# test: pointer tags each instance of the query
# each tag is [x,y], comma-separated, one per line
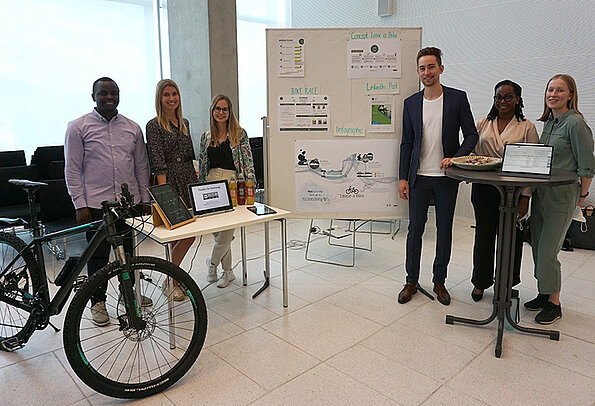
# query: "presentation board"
[335,100]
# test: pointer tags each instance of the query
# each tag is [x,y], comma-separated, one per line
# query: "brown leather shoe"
[409,290]
[442,294]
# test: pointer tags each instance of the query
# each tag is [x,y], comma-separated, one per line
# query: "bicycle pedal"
[12,344]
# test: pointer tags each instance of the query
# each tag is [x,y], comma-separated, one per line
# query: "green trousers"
[551,215]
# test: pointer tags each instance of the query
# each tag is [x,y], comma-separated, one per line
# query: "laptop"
[527,160]
[210,198]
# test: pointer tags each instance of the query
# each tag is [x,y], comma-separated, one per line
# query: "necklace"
[221,139]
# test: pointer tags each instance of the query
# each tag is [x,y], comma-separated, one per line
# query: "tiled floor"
[344,339]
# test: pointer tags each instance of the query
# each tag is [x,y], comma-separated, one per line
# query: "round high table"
[510,188]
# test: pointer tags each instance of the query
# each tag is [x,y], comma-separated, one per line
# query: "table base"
[510,189]
[502,310]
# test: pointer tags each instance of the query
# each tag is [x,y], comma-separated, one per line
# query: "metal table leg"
[244,261]
[170,303]
[267,272]
[284,259]
[267,261]
[267,253]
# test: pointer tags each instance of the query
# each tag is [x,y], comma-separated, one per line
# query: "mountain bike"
[143,350]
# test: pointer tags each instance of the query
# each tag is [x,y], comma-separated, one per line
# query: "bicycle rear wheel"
[120,361]
[18,285]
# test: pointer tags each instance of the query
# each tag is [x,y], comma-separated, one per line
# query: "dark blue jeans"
[444,192]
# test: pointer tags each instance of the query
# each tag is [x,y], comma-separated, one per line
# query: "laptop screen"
[210,197]
[531,159]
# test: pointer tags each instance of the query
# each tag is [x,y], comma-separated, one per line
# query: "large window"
[52,51]
[254,16]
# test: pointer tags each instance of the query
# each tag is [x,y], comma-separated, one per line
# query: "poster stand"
[333,126]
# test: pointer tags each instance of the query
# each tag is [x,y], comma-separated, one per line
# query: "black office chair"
[43,156]
[54,201]
[13,199]
[12,158]
[257,155]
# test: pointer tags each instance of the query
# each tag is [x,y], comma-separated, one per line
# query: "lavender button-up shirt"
[100,156]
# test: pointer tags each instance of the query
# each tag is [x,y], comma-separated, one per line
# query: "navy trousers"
[444,192]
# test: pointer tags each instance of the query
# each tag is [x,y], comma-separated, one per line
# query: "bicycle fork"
[132,298]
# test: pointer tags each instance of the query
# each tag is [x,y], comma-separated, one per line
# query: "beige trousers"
[222,248]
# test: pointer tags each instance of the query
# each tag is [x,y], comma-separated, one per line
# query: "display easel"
[159,218]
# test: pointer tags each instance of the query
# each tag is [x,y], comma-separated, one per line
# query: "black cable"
[195,252]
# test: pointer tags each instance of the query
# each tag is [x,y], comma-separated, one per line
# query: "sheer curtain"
[254,16]
[53,51]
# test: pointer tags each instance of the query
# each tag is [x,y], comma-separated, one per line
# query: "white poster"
[382,113]
[374,58]
[290,53]
[304,113]
[346,175]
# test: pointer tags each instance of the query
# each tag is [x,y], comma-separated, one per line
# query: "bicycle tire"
[121,362]
[19,283]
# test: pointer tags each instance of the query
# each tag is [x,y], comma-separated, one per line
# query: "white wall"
[485,41]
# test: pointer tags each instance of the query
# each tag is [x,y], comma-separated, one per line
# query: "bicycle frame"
[127,357]
[105,230]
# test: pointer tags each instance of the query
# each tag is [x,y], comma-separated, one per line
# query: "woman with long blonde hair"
[171,155]
[224,152]
[552,207]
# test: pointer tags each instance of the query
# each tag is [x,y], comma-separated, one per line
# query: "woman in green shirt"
[552,207]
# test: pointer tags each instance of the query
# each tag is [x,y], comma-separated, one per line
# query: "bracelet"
[585,195]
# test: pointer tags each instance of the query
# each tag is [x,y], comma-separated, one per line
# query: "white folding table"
[240,217]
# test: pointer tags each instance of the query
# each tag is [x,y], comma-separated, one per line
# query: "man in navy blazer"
[432,119]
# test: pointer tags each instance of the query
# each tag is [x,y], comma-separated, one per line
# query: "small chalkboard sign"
[169,206]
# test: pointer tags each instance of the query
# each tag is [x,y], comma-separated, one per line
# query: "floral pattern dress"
[172,153]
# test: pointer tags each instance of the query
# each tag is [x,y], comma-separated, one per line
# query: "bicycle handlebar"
[123,205]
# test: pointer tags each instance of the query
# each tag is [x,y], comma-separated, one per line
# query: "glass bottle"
[250,190]
[241,190]
[233,190]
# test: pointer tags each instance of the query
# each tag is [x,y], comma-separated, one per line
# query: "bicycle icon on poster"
[351,190]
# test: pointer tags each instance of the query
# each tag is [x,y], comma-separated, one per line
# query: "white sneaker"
[145,301]
[226,277]
[99,314]
[178,294]
[211,271]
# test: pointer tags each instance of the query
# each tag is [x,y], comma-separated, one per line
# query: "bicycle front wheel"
[19,283]
[120,361]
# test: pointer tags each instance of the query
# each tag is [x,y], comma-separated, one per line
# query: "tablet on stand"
[169,208]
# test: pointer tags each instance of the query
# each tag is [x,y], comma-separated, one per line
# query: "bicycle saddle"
[9,222]
[27,184]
